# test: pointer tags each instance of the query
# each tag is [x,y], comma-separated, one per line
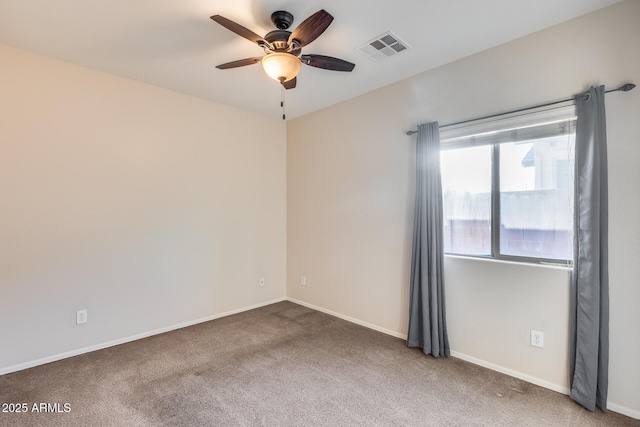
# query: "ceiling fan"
[283,48]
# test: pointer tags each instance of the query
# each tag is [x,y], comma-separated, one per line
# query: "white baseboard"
[542,383]
[350,319]
[551,386]
[623,410]
[511,373]
[89,349]
[528,378]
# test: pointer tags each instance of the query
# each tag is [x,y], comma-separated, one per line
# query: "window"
[508,187]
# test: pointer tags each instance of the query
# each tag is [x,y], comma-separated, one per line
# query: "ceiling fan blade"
[311,28]
[240,30]
[238,63]
[327,62]
[291,83]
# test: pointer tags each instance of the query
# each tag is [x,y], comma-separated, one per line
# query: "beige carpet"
[281,365]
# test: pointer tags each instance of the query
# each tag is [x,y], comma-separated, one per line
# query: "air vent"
[384,46]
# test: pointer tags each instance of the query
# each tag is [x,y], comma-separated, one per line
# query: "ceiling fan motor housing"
[279,39]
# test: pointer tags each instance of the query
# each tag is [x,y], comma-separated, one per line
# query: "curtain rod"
[624,88]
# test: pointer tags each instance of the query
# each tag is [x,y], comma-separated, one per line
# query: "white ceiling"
[174,44]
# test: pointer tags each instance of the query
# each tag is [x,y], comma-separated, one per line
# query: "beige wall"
[148,208]
[349,202]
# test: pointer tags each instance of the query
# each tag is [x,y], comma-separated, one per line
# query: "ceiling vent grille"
[384,46]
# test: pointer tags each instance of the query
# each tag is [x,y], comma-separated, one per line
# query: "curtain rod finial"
[626,87]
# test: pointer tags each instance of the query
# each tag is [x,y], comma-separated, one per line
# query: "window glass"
[466,192]
[536,198]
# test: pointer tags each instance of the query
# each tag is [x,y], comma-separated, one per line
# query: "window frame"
[464,138]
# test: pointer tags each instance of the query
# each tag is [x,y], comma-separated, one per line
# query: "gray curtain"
[427,320]
[589,358]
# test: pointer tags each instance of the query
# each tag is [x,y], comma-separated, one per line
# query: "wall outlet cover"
[537,339]
[81,317]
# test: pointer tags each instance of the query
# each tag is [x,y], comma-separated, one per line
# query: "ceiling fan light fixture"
[281,66]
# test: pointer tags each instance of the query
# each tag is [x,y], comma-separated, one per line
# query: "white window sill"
[555,266]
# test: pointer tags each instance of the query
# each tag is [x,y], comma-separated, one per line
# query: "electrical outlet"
[537,339]
[81,317]
[303,280]
[262,281]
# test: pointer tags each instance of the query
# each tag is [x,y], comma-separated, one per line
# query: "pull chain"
[284,116]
